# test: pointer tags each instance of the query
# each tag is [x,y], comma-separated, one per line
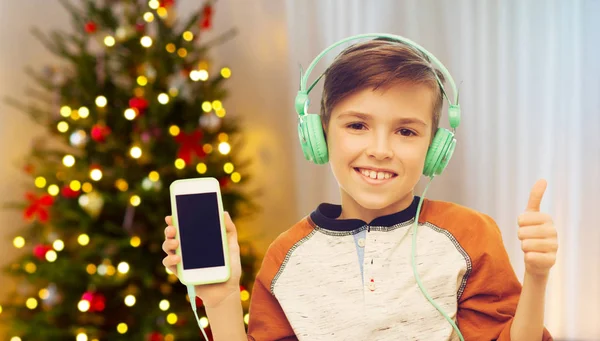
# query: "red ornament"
[199,302]
[181,321]
[38,206]
[97,301]
[190,144]
[90,27]
[100,132]
[39,251]
[167,3]
[185,71]
[207,13]
[155,336]
[140,27]
[223,182]
[29,168]
[139,103]
[68,193]
[87,296]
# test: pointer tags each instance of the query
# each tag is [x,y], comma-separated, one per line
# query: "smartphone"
[197,213]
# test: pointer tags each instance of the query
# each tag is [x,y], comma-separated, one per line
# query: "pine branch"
[76,14]
[78,41]
[49,154]
[14,205]
[38,115]
[232,32]
[191,22]
[44,81]
[40,96]
[74,11]
[59,41]
[52,46]
[106,15]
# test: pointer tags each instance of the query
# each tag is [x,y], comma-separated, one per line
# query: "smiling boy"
[346,272]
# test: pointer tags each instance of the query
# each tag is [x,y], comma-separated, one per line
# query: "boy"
[344,271]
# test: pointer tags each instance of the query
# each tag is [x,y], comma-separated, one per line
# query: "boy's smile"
[376,176]
[377,141]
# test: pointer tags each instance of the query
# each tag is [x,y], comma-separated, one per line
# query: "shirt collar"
[325,216]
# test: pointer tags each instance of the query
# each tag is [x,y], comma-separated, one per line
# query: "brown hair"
[375,64]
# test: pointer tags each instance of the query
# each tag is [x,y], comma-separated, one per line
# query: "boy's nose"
[380,148]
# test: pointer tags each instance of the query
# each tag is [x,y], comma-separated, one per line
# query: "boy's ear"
[324,126]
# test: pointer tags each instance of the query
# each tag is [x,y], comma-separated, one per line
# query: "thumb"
[229,225]
[535,197]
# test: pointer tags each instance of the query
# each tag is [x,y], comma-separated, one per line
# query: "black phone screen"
[200,230]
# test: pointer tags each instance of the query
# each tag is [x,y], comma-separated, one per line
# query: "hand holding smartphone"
[201,240]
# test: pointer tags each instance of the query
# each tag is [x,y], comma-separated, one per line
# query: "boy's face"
[377,144]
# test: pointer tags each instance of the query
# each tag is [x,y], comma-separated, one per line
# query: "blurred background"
[529,81]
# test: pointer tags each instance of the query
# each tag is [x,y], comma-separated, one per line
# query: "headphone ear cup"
[439,153]
[317,139]
[304,140]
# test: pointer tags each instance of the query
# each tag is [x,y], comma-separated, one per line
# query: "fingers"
[540,260]
[539,245]
[170,262]
[543,231]
[232,238]
[170,232]
[229,225]
[533,218]
[169,246]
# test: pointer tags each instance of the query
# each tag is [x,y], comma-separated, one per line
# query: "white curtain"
[529,79]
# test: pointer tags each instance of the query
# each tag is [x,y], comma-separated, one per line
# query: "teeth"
[375,175]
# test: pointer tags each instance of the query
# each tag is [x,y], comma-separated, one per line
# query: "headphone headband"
[302,96]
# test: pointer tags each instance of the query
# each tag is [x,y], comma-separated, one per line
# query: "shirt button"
[361,242]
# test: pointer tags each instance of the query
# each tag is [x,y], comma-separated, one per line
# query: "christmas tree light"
[101,101]
[19,242]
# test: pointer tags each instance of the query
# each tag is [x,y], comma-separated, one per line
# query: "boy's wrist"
[227,318]
[226,298]
[537,279]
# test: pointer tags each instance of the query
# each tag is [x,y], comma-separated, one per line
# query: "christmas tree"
[135,103]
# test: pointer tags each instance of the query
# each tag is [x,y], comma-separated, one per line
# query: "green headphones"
[310,129]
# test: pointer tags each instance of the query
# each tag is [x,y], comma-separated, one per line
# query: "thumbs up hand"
[537,234]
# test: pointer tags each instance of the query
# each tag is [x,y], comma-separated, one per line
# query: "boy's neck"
[353,210]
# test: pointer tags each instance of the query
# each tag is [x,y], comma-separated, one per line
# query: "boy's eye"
[356,126]
[406,132]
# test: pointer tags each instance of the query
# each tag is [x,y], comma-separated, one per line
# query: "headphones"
[310,129]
